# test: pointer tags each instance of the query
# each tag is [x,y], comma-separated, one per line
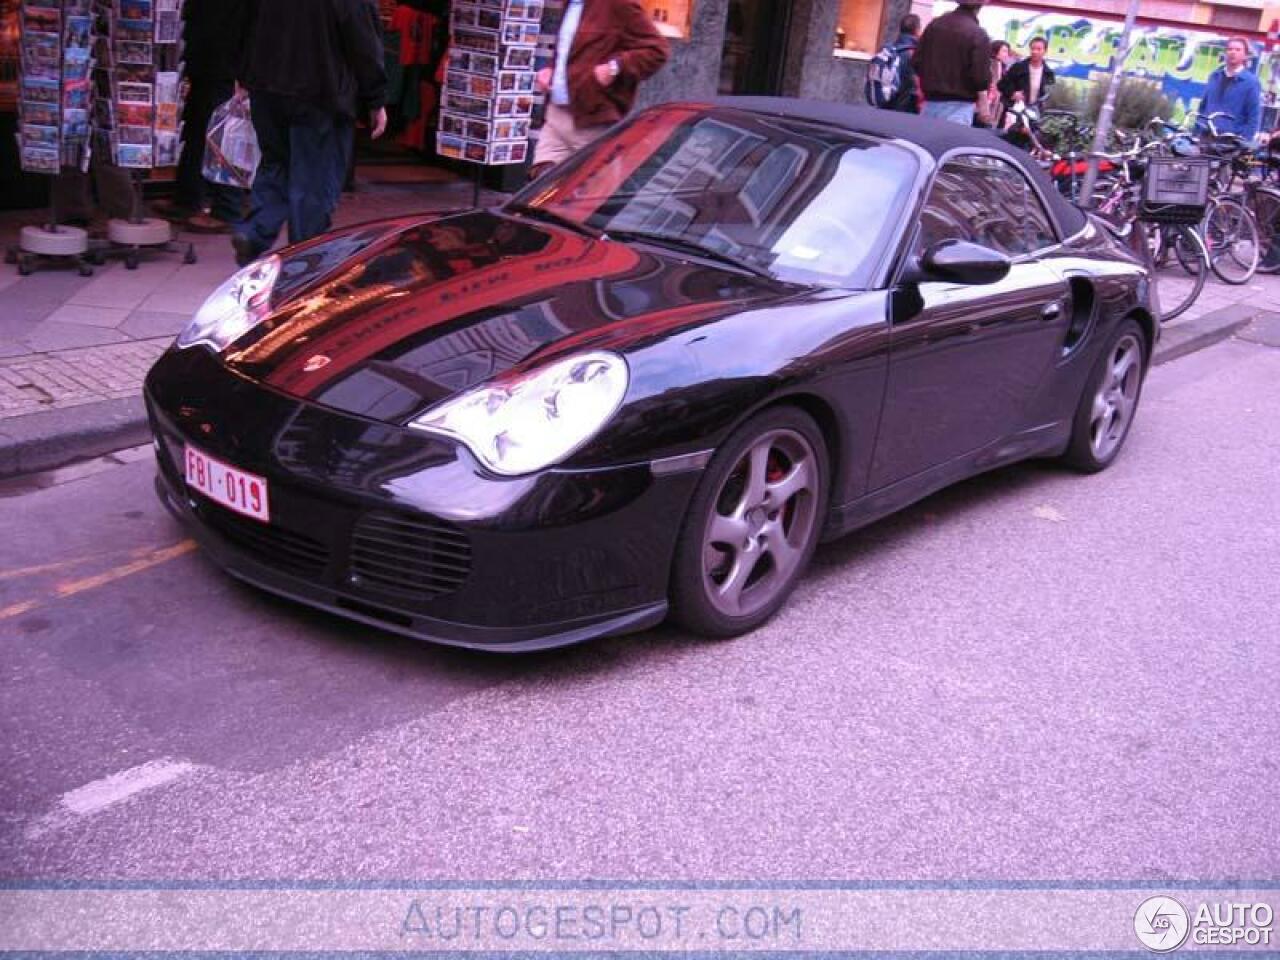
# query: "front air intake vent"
[409,556]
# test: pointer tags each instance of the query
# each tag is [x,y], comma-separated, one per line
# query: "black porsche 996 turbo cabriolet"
[652,381]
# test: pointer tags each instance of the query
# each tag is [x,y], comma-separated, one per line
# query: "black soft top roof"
[936,137]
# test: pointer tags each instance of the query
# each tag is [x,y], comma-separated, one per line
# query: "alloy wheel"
[1117,397]
[761,524]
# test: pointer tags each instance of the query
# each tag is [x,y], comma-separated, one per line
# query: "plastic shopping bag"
[231,153]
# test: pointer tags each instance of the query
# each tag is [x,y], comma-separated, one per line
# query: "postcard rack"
[488,96]
[138,109]
[54,86]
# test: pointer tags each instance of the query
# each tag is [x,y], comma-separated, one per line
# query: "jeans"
[953,111]
[193,190]
[305,152]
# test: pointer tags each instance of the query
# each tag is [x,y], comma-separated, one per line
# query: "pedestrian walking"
[212,32]
[312,67]
[954,64]
[1028,81]
[1233,89]
[604,50]
[891,78]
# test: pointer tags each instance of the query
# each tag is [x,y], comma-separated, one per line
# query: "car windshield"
[803,202]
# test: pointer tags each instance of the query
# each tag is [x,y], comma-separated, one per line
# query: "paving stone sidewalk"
[71,342]
[67,340]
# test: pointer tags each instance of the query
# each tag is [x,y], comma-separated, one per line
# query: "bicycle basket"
[1175,190]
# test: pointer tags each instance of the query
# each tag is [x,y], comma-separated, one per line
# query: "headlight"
[538,419]
[234,308]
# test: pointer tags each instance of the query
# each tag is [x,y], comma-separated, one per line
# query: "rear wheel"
[753,525]
[1109,402]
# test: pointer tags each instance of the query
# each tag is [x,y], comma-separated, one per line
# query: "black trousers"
[194,190]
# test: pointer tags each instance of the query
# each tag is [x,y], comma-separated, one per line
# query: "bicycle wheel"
[1180,278]
[1231,237]
[1266,211]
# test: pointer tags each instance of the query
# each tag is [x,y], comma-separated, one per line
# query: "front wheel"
[1266,211]
[752,526]
[1110,401]
[1179,270]
[1231,237]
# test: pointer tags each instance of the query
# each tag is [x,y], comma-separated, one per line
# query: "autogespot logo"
[1161,924]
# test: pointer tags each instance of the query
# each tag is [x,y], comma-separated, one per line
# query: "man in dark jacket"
[1028,81]
[954,64]
[211,34]
[312,67]
[604,49]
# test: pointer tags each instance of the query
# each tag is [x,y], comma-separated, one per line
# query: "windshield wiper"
[550,216]
[688,246]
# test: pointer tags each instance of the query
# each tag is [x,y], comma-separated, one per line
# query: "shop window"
[858,28]
[673,18]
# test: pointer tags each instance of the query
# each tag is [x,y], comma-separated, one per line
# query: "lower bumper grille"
[408,555]
[270,545]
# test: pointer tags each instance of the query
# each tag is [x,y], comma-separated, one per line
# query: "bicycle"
[1229,228]
[1159,245]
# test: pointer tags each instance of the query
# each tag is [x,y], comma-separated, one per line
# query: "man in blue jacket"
[1233,89]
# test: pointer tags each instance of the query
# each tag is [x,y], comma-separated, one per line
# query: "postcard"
[474,40]
[519,58]
[41,160]
[516,81]
[468,105]
[40,114]
[134,155]
[134,93]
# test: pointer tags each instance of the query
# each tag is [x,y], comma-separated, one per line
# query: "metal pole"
[1102,131]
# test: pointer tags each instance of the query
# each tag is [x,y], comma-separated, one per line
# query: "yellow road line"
[70,588]
[44,568]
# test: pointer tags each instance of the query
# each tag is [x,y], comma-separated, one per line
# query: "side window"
[985,200]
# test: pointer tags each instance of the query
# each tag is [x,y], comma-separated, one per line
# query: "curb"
[1186,337]
[55,438]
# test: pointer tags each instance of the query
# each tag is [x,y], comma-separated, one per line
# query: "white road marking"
[100,794]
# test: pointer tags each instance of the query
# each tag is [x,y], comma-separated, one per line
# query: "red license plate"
[236,490]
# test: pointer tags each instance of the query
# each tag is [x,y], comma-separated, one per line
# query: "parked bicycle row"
[1196,201]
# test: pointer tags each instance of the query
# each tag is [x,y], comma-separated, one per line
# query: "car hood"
[387,320]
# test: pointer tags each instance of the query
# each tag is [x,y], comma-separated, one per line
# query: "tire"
[1266,210]
[1179,278]
[1231,237]
[1109,403]
[752,525]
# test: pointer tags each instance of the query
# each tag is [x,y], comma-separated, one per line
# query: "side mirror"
[958,261]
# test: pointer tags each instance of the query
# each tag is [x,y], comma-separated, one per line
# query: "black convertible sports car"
[653,380]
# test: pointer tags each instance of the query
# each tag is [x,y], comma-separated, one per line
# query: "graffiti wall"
[1179,58]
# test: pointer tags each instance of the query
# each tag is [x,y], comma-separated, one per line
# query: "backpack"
[884,77]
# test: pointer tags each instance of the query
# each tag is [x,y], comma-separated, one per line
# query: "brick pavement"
[67,340]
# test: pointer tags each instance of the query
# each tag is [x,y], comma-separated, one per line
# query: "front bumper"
[403,530]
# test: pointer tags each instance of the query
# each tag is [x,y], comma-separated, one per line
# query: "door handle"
[1052,312]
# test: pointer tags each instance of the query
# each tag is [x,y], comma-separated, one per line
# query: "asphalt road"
[1033,676]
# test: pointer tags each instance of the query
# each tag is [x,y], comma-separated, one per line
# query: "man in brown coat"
[953,61]
[604,49]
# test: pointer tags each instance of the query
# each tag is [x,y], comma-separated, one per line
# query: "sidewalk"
[74,350]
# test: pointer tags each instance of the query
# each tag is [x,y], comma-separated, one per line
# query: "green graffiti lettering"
[1142,59]
[1208,58]
[1167,55]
